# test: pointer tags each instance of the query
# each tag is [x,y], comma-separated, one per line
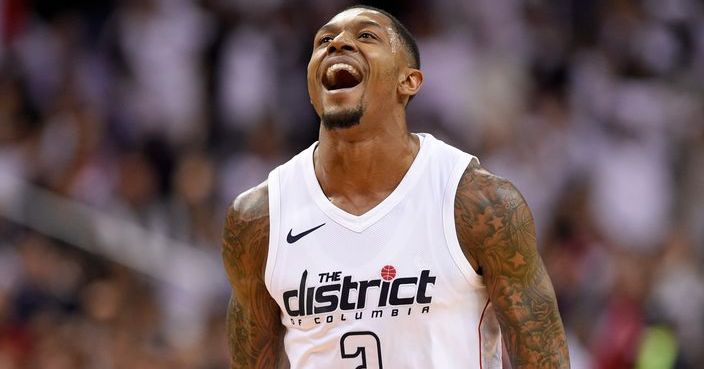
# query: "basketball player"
[380,248]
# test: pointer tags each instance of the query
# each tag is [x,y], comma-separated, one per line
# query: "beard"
[342,118]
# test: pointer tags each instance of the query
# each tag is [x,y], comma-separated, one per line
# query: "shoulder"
[246,233]
[480,189]
[489,212]
[251,205]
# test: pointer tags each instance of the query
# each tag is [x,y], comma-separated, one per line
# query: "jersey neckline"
[358,223]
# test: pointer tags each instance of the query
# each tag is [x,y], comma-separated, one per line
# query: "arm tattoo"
[497,233]
[255,333]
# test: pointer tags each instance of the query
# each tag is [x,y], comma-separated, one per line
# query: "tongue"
[341,79]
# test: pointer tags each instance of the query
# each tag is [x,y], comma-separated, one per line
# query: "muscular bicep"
[498,230]
[255,333]
[522,294]
[255,336]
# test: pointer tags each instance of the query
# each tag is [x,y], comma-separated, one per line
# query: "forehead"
[358,16]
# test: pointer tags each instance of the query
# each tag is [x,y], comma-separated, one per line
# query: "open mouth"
[341,75]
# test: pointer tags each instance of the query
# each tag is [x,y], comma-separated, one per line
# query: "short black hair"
[406,38]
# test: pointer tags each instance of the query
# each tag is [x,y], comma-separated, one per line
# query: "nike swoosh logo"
[291,238]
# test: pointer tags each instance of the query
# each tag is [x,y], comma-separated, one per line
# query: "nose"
[341,42]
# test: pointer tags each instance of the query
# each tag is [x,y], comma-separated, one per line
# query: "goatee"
[343,118]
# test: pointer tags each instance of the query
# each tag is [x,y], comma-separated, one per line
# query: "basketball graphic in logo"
[388,272]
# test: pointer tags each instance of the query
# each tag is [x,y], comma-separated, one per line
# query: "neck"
[358,167]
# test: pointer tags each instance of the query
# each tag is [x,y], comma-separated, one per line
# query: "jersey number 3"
[365,344]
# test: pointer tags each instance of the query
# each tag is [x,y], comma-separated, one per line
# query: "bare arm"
[255,333]
[497,234]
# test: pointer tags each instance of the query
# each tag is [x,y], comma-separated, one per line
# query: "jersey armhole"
[450,229]
[274,215]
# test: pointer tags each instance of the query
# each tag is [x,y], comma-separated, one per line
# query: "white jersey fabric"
[387,289]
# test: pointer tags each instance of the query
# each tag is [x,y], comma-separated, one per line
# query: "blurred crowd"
[161,111]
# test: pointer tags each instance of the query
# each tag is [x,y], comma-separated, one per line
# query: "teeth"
[330,73]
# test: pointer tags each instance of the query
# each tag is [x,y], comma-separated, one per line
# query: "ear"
[411,80]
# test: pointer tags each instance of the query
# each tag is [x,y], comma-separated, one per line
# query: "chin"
[337,118]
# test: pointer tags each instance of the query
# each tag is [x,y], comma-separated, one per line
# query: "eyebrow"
[362,24]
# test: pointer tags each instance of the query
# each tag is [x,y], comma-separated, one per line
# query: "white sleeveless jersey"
[387,289]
